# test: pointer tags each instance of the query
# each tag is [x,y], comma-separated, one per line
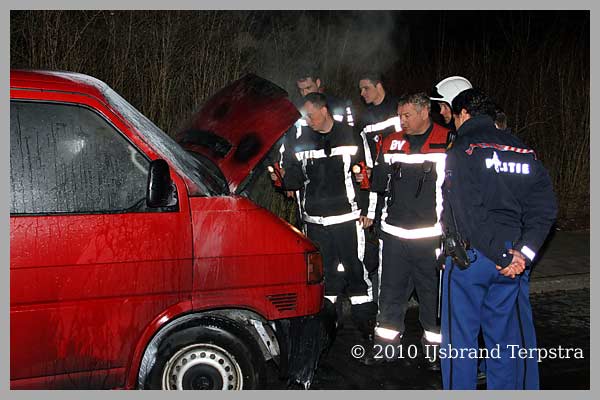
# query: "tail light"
[314,268]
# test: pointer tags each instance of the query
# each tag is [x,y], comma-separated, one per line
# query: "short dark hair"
[500,117]
[318,100]
[373,76]
[475,102]
[420,100]
[308,70]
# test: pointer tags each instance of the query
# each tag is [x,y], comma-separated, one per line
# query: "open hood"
[238,125]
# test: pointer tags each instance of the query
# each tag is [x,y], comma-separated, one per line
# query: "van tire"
[213,354]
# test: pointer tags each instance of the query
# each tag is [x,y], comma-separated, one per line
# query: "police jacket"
[497,191]
[378,121]
[322,168]
[410,171]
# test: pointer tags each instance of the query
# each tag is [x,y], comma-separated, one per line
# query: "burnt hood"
[237,126]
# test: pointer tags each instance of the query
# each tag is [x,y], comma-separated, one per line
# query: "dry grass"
[168,63]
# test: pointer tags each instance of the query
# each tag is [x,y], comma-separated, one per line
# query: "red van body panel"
[89,291]
[248,259]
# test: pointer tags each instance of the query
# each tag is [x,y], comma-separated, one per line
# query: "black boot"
[430,355]
[342,309]
[388,351]
[363,317]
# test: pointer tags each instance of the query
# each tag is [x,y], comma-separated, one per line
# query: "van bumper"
[302,341]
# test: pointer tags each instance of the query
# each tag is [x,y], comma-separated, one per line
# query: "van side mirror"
[161,191]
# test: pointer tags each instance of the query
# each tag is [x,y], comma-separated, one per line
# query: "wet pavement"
[560,297]
[562,318]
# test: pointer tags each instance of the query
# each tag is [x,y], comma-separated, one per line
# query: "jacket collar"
[476,124]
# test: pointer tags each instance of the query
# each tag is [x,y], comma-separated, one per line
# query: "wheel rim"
[202,367]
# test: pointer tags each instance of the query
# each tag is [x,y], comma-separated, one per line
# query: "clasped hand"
[516,266]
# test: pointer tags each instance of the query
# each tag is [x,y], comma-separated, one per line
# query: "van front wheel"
[208,356]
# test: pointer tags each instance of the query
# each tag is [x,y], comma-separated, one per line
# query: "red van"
[137,264]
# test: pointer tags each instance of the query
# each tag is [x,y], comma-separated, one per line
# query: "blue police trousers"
[480,296]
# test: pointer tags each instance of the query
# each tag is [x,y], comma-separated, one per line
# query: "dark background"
[536,65]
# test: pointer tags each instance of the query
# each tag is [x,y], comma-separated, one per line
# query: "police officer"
[334,207]
[498,204]
[410,172]
[442,95]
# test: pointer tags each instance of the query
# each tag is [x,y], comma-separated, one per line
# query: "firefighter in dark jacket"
[378,121]
[410,172]
[334,207]
[381,116]
[341,110]
[499,205]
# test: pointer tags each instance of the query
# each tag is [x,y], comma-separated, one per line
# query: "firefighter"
[444,92]
[334,207]
[499,206]
[410,171]
[379,120]
[308,81]
[381,115]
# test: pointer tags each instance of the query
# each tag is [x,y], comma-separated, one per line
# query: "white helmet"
[449,88]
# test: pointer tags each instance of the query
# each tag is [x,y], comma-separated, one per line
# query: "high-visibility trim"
[440,165]
[360,250]
[379,126]
[336,151]
[438,252]
[338,117]
[368,155]
[340,267]
[299,124]
[379,272]
[384,213]
[500,147]
[360,299]
[331,298]
[349,117]
[527,252]
[432,337]
[306,183]
[418,158]
[372,205]
[440,170]
[369,161]
[418,233]
[387,334]
[300,203]
[281,151]
[350,192]
[335,219]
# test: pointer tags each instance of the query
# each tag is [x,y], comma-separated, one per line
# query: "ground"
[561,318]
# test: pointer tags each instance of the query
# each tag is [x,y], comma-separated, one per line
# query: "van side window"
[69,159]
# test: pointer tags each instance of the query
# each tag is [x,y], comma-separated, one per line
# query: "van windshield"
[202,176]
